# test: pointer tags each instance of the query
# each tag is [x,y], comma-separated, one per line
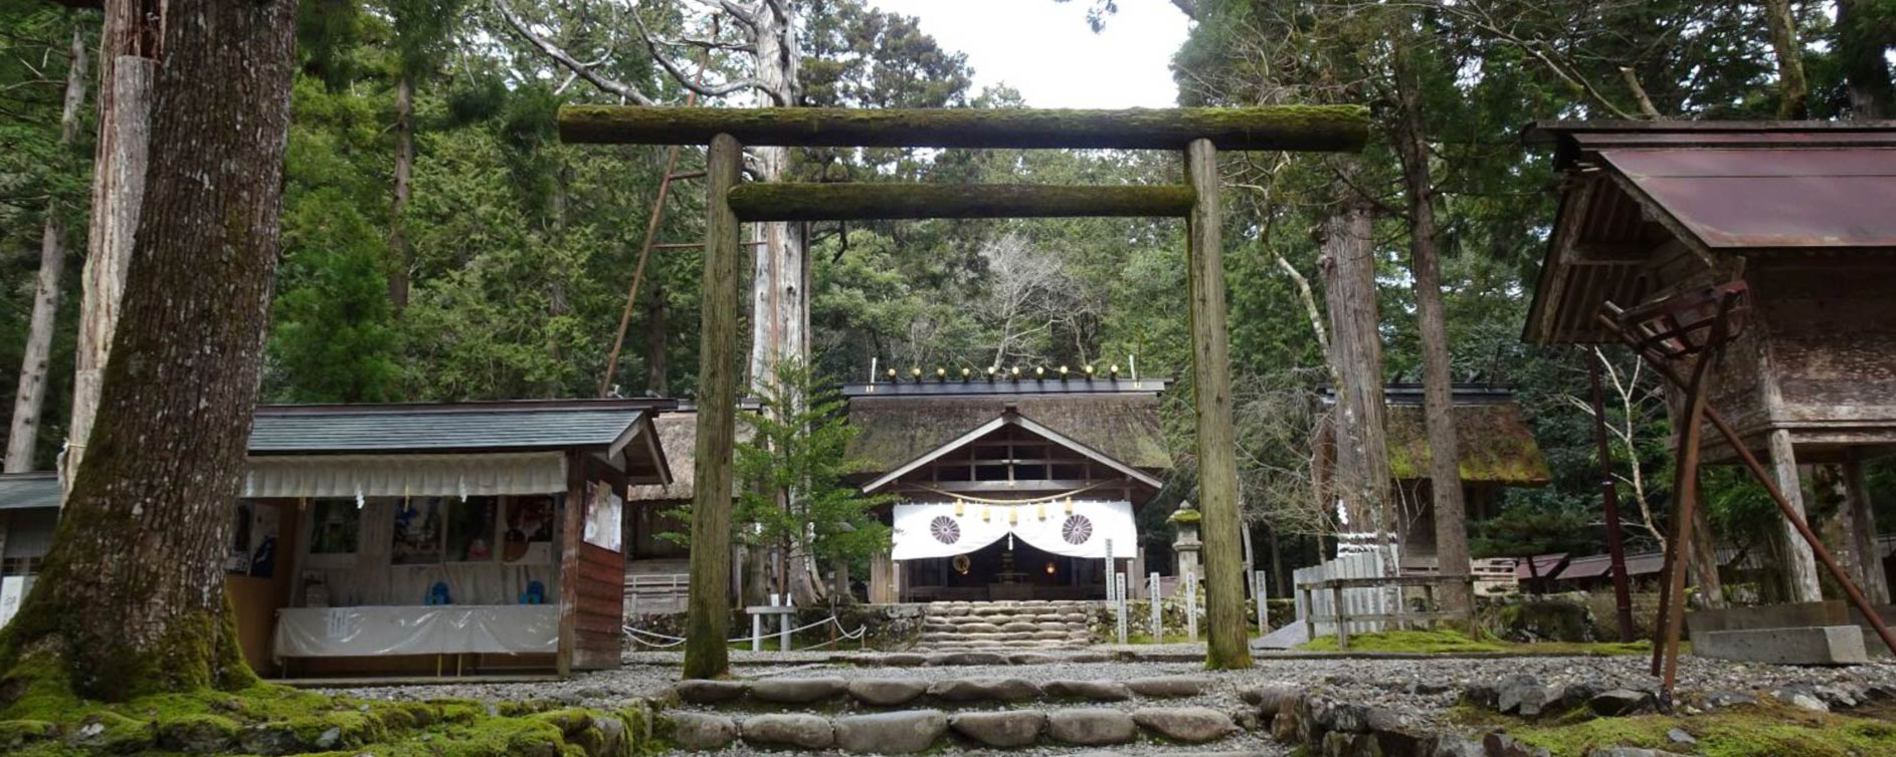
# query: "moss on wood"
[1342,128]
[856,202]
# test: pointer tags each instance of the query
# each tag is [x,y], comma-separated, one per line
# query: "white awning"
[405,475]
[1081,529]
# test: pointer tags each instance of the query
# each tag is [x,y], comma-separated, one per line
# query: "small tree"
[791,472]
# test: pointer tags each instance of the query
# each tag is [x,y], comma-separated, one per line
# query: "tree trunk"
[1793,90]
[1438,402]
[129,43]
[1362,458]
[1863,40]
[30,398]
[131,596]
[656,367]
[400,260]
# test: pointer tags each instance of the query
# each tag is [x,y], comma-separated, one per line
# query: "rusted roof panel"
[1770,198]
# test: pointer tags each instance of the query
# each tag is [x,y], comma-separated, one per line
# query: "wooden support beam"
[1227,646]
[571,532]
[1338,128]
[863,202]
[708,612]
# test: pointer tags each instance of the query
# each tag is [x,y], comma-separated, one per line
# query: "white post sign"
[1155,607]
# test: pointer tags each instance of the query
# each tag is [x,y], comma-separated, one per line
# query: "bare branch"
[1639,94]
[678,73]
[579,69]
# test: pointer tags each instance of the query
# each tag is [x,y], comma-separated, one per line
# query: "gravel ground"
[1420,689]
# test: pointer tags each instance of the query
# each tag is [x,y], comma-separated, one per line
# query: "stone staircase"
[948,713]
[950,626]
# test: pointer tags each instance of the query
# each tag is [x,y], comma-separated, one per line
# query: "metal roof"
[29,491]
[1637,196]
[530,425]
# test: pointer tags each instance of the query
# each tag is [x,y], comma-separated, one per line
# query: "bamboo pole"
[1338,128]
[1227,646]
[863,202]
[708,619]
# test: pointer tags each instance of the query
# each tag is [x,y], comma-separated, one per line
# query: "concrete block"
[1802,645]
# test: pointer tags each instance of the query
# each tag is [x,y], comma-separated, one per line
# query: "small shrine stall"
[438,539]
[1496,451]
[1008,487]
[29,511]
[1797,214]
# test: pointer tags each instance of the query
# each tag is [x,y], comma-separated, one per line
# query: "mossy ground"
[48,721]
[1764,730]
[1443,641]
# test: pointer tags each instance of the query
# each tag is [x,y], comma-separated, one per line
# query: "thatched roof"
[1495,443]
[678,436]
[893,430]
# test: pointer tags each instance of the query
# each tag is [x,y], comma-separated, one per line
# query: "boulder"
[1192,725]
[1166,687]
[1098,691]
[793,730]
[887,692]
[1005,730]
[705,691]
[699,731]
[984,690]
[1620,702]
[1091,727]
[967,658]
[1499,744]
[1268,697]
[1720,699]
[1458,747]
[1519,693]
[903,732]
[1032,658]
[796,690]
[203,734]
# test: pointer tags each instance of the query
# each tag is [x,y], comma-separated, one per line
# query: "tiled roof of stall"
[513,425]
[28,491]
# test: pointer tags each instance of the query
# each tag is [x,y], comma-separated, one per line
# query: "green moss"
[18,733]
[1751,731]
[1187,515]
[1455,642]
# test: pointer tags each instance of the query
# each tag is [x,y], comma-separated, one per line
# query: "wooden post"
[1800,566]
[570,534]
[1227,644]
[1257,593]
[1155,607]
[1340,617]
[708,618]
[1671,623]
[1609,494]
[1863,529]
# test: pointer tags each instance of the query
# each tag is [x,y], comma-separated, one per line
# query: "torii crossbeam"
[1198,133]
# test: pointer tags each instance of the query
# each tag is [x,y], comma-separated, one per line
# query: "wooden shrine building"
[438,538]
[29,510]
[1008,486]
[1801,213]
[1497,450]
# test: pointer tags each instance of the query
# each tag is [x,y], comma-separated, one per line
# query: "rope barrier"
[633,634]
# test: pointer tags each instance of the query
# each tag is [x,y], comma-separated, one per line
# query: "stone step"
[919,730]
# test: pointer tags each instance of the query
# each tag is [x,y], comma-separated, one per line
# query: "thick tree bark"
[131,597]
[1338,128]
[656,326]
[1362,480]
[1793,90]
[30,398]
[1438,402]
[1863,41]
[129,43]
[400,259]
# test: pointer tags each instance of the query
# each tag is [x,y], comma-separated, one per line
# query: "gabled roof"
[1493,439]
[1638,193]
[29,491]
[1010,417]
[897,423]
[460,427]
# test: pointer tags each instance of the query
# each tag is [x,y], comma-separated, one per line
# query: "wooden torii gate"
[1197,132]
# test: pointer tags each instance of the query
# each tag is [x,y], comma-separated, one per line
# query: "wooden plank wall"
[599,632]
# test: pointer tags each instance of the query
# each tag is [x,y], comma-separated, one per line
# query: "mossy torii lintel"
[1335,128]
[1197,133]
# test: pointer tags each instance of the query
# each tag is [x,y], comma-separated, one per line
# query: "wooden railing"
[1340,616]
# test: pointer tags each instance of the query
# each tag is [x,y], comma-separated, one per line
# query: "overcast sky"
[1045,50]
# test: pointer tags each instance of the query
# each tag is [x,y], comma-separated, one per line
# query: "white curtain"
[1077,529]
